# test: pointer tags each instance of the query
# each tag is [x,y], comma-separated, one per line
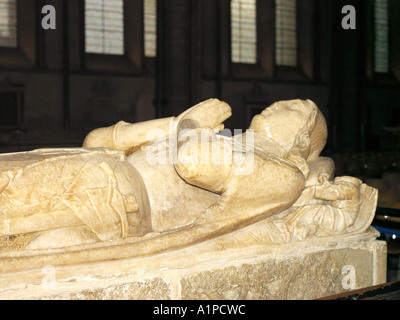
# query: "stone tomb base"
[304,270]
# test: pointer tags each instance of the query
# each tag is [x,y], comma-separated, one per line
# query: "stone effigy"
[140,190]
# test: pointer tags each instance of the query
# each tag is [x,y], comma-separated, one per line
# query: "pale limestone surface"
[307,269]
[137,190]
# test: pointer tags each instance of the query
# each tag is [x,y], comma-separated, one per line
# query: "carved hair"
[311,139]
[308,132]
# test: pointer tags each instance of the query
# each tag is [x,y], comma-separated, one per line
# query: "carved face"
[282,121]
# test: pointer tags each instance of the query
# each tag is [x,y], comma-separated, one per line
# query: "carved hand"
[208,114]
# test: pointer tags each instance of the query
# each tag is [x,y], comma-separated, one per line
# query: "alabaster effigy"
[179,193]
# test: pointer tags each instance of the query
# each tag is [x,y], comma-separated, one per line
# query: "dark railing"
[387,218]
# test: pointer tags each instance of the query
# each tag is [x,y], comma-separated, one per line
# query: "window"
[150,28]
[8,23]
[113,39]
[104,26]
[381,64]
[285,33]
[244,31]
[261,39]
[18,33]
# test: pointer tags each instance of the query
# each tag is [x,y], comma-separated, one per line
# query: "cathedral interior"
[67,67]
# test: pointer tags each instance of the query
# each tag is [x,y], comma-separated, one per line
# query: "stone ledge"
[305,270]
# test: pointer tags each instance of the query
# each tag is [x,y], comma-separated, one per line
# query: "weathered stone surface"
[145,290]
[303,270]
[258,215]
[314,275]
[141,189]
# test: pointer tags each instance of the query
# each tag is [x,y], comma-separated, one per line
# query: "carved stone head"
[296,125]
